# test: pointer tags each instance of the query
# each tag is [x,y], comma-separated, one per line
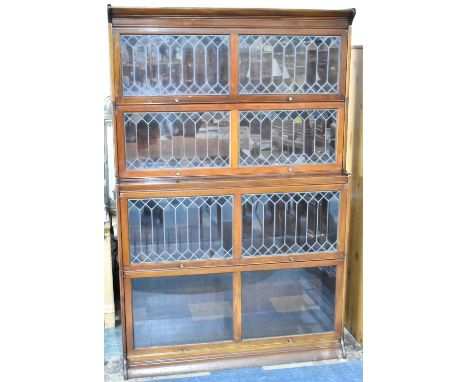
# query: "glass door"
[288,137]
[173,229]
[181,310]
[289,64]
[176,140]
[174,64]
[290,223]
[288,302]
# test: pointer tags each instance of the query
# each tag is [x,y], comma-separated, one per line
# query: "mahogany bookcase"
[233,200]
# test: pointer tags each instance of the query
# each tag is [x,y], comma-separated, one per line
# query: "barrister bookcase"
[230,135]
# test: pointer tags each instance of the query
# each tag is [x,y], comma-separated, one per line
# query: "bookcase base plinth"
[229,361]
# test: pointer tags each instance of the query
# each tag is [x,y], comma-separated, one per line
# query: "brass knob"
[176,100]
[290,340]
[290,169]
[290,98]
[177,173]
[291,258]
[181,266]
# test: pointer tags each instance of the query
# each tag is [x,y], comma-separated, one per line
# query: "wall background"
[354,165]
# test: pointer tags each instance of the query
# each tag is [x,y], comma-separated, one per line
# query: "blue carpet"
[113,342]
[337,372]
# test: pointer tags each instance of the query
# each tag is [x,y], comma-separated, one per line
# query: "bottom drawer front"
[182,310]
[288,302]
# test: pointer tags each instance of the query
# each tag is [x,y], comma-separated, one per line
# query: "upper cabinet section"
[289,64]
[182,56]
[171,65]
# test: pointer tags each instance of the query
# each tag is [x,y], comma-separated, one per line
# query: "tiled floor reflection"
[182,310]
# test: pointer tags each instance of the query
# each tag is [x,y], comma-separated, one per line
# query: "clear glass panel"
[177,140]
[274,137]
[161,65]
[288,302]
[289,64]
[182,310]
[280,224]
[177,229]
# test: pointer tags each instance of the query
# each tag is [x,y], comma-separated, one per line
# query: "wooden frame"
[234,180]
[234,168]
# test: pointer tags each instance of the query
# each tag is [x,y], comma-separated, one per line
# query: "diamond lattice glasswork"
[177,229]
[177,140]
[279,224]
[162,65]
[287,137]
[289,64]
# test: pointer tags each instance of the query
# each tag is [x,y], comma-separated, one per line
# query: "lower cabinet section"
[180,322]
[231,277]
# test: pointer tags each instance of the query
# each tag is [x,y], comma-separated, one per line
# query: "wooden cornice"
[120,15]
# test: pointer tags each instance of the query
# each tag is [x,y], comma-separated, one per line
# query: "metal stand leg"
[125,370]
[343,349]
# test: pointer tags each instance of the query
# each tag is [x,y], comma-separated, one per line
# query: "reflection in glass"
[289,64]
[288,302]
[279,224]
[177,140]
[179,229]
[287,137]
[182,310]
[161,65]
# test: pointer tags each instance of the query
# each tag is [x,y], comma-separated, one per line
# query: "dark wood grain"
[122,12]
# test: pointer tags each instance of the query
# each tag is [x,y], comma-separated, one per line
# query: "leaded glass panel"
[164,140]
[289,64]
[284,137]
[179,229]
[163,65]
[280,224]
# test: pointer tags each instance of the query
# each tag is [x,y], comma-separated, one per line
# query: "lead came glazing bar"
[168,140]
[280,224]
[287,137]
[164,65]
[300,64]
[179,229]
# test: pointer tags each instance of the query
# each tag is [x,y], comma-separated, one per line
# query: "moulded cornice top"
[120,12]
